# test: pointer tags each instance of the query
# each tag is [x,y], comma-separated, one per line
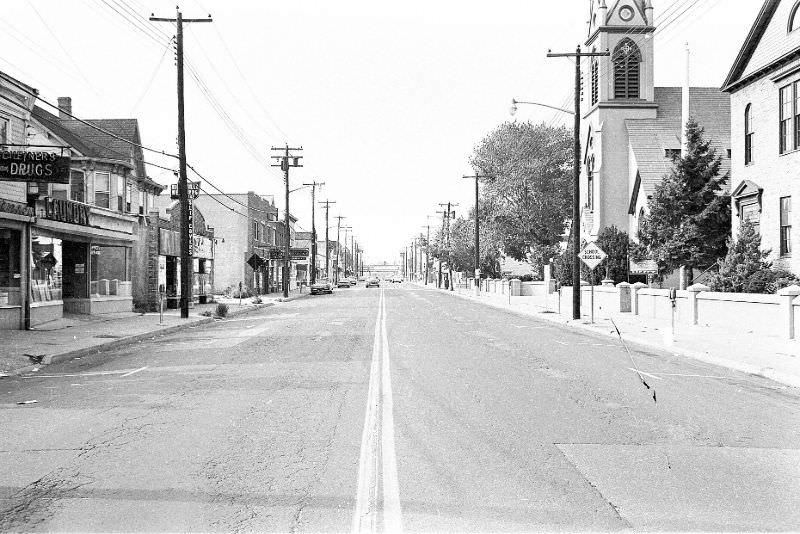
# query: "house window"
[128,196]
[102,189]
[796,89]
[672,153]
[120,192]
[786,226]
[794,20]
[748,134]
[77,186]
[785,126]
[142,202]
[3,130]
[626,69]
[595,82]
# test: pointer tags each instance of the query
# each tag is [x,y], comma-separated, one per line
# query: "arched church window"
[595,70]
[794,19]
[640,222]
[627,59]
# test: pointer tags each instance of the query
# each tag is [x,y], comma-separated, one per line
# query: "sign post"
[161,292]
[592,256]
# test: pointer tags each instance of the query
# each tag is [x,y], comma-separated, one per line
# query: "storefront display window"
[110,272]
[10,274]
[46,269]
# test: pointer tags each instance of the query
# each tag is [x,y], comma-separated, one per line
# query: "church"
[631,130]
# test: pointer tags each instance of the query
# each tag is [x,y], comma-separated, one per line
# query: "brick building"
[764,84]
[243,226]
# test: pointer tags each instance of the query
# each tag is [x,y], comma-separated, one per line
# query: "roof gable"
[767,42]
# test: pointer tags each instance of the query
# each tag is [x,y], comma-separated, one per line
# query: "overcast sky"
[387,98]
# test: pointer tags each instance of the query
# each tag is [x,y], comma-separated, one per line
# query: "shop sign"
[191,227]
[169,244]
[56,209]
[294,253]
[17,208]
[80,268]
[25,166]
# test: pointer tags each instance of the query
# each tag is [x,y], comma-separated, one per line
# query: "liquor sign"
[190,211]
[592,255]
[56,209]
[27,166]
[193,190]
[643,267]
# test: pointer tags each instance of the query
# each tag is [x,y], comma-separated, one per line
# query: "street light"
[514,102]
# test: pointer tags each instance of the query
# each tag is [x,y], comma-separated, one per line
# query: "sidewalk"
[77,335]
[771,357]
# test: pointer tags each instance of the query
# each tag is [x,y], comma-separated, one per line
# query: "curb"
[121,342]
[763,372]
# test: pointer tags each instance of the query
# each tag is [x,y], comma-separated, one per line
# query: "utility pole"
[183,186]
[285,165]
[477,178]
[446,229]
[427,253]
[344,257]
[576,186]
[327,246]
[338,244]
[314,186]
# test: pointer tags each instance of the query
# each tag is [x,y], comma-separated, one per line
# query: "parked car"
[353,281]
[321,287]
[343,282]
[397,279]
[374,282]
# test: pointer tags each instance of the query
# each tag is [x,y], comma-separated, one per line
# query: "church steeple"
[624,28]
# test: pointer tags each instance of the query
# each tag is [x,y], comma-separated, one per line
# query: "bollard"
[788,295]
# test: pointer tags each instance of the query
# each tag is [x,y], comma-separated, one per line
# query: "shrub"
[206,313]
[222,310]
[743,260]
[257,300]
[784,278]
[762,281]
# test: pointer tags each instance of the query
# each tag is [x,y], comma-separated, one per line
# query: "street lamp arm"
[514,103]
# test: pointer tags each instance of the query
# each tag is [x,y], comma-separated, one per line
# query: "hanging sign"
[592,255]
[28,166]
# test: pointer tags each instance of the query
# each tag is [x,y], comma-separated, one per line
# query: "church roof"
[651,138]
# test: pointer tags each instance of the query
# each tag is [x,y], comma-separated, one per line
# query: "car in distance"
[320,287]
[353,281]
[397,279]
[374,282]
[343,282]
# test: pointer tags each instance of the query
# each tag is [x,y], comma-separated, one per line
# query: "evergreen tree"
[743,260]
[690,215]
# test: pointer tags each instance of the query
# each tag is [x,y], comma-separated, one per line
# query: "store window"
[102,189]
[110,271]
[46,269]
[10,273]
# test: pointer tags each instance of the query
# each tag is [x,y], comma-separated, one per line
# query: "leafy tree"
[615,244]
[743,260]
[527,196]
[462,246]
[690,216]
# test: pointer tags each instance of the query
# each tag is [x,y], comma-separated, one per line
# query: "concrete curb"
[764,372]
[128,340]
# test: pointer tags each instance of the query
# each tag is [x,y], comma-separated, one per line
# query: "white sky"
[387,97]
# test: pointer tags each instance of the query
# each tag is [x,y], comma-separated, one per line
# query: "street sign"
[255,261]
[643,267]
[592,255]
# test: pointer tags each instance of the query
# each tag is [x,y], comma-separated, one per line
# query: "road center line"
[645,374]
[377,441]
[134,371]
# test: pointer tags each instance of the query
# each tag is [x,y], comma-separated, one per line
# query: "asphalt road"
[389,409]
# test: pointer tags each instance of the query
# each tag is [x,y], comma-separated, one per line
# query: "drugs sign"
[24,166]
[592,255]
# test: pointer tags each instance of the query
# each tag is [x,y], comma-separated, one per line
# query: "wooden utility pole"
[314,186]
[338,247]
[327,246]
[576,186]
[477,178]
[446,215]
[183,185]
[427,253]
[286,161]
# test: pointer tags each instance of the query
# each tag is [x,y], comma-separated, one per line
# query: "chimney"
[685,105]
[64,107]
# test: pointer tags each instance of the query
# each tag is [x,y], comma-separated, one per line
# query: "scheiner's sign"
[24,166]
